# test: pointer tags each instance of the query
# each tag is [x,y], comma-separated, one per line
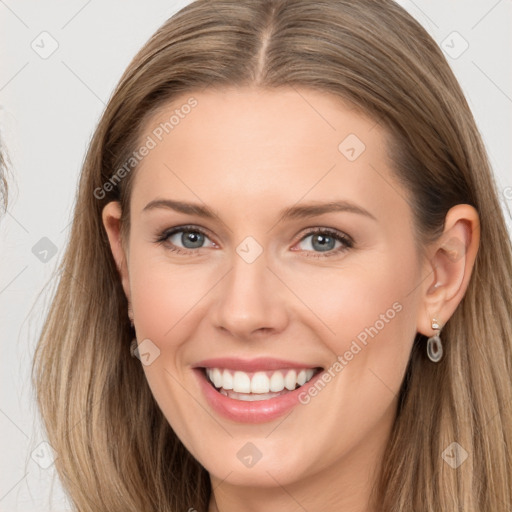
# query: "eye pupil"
[324,242]
[194,237]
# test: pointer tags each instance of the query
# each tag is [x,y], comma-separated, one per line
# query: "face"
[306,268]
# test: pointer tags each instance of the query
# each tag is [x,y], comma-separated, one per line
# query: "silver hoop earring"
[434,344]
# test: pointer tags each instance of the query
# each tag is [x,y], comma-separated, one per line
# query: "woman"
[288,279]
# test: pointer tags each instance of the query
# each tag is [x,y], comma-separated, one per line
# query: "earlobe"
[449,267]
[111,217]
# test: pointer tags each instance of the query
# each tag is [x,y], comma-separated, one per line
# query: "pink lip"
[260,411]
[252,365]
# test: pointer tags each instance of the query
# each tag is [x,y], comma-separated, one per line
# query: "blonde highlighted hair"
[116,451]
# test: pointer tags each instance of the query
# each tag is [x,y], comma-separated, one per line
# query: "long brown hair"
[116,451]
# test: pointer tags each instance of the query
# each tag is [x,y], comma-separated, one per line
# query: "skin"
[248,153]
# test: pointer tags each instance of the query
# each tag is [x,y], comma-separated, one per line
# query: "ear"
[449,265]
[111,217]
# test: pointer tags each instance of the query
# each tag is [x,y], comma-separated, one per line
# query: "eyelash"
[347,242]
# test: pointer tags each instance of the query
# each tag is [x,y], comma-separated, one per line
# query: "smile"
[254,390]
[259,385]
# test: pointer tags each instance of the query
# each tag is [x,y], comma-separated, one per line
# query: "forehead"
[246,146]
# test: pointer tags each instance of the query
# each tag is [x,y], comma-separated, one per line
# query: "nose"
[250,300]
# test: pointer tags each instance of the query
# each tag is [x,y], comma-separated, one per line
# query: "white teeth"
[259,382]
[290,381]
[276,382]
[227,380]
[250,397]
[241,382]
[217,377]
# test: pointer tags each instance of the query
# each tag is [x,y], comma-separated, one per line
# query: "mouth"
[259,385]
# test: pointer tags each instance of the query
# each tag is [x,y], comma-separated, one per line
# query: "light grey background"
[49,107]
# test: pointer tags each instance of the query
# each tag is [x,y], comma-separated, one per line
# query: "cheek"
[371,322]
[166,299]
[165,295]
[369,315]
[363,291]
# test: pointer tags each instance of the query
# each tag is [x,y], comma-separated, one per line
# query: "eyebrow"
[307,210]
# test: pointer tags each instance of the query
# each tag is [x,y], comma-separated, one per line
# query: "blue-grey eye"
[189,239]
[320,242]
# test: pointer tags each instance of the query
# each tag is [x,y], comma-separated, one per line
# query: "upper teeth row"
[261,382]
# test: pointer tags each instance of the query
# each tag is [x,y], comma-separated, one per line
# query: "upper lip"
[252,365]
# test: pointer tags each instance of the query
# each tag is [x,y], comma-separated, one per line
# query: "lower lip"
[259,411]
